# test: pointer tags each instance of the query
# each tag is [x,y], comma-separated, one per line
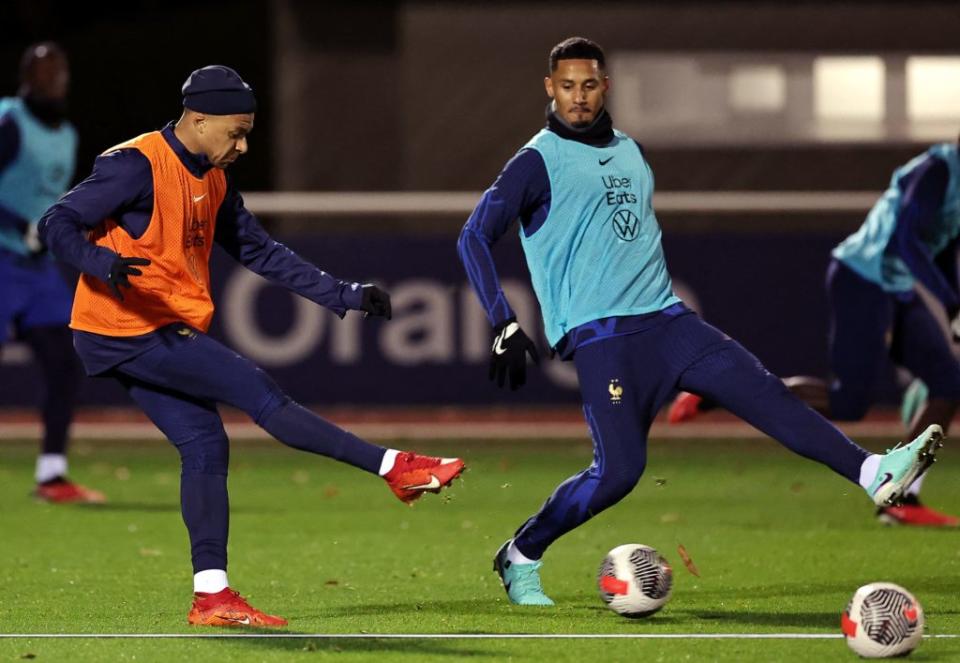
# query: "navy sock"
[298,427]
[206,513]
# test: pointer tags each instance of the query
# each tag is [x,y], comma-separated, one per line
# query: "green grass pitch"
[780,543]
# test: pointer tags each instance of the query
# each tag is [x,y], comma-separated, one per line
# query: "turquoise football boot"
[901,466]
[913,399]
[522,581]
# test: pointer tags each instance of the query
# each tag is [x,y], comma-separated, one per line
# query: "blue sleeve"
[240,234]
[9,148]
[917,218]
[522,190]
[120,181]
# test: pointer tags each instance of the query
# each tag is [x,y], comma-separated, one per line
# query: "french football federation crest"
[616,391]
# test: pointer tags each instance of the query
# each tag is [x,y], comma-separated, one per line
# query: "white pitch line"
[459,636]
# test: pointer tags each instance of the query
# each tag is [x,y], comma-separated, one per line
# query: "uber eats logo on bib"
[618,192]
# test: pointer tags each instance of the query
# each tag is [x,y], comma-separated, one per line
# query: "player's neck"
[186,137]
[598,133]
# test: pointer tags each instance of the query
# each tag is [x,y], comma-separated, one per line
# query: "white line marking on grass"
[462,636]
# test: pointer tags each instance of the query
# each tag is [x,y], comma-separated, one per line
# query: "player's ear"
[606,83]
[200,122]
[548,86]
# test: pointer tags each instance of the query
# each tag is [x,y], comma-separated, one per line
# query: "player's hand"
[31,239]
[375,301]
[120,272]
[508,356]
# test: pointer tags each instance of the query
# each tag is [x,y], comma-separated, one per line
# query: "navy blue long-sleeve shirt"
[919,213]
[521,191]
[121,188]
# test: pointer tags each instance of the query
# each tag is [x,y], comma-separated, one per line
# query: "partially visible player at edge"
[38,148]
[582,191]
[911,234]
[153,208]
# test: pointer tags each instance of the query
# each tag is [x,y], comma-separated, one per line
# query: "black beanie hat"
[218,90]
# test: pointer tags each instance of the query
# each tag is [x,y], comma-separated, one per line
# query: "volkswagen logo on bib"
[626,225]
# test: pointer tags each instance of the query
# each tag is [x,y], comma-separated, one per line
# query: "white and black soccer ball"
[882,620]
[634,580]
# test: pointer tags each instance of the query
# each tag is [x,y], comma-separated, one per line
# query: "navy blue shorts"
[868,326]
[32,294]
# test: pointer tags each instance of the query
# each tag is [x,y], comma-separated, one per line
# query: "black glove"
[120,271]
[509,354]
[375,301]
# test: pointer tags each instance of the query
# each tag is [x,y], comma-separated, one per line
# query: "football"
[634,580]
[882,620]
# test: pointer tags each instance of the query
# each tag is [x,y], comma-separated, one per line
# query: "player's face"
[578,88]
[49,77]
[225,137]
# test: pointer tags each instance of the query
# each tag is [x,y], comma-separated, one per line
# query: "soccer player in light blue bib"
[37,154]
[583,194]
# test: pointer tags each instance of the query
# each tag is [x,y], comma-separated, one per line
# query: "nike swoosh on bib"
[604,162]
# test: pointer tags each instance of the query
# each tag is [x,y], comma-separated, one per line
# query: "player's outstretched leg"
[897,469]
[228,608]
[736,380]
[521,579]
[409,475]
[197,365]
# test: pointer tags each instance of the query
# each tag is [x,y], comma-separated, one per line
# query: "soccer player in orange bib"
[141,229]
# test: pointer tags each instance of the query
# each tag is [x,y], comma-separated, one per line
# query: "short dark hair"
[576,48]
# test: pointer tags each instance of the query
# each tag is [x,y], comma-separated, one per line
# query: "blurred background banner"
[764,289]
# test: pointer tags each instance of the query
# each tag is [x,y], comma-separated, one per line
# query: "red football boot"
[63,491]
[912,512]
[228,608]
[413,475]
[684,407]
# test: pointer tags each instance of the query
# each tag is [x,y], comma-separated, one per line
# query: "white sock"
[50,466]
[517,557]
[388,459]
[869,469]
[914,488]
[210,581]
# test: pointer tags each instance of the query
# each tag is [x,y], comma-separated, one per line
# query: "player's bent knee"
[205,455]
[614,486]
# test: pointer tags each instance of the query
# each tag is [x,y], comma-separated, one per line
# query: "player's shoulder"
[627,139]
[8,115]
[125,161]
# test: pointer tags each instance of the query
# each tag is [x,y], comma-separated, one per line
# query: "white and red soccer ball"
[882,620]
[634,580]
